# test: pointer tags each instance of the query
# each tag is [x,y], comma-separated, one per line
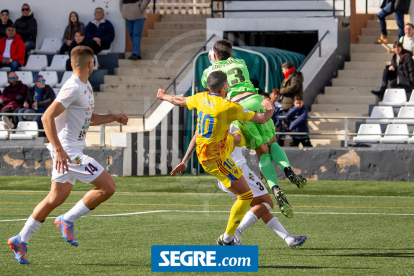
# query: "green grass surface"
[353,228]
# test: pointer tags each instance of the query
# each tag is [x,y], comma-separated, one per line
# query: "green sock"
[268,171]
[279,156]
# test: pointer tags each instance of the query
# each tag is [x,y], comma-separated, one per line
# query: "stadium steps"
[350,93]
[132,89]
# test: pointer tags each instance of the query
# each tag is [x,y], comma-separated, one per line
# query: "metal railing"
[174,81]
[317,45]
[346,133]
[223,10]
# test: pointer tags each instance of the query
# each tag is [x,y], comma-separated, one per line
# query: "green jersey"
[237,76]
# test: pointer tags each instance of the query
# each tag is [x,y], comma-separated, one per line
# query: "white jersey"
[73,123]
[237,154]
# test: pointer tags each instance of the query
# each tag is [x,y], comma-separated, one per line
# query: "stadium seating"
[51,77]
[35,63]
[95,67]
[58,63]
[381,112]
[3,134]
[405,112]
[411,101]
[368,129]
[25,130]
[394,97]
[104,52]
[411,139]
[56,90]
[3,79]
[25,77]
[7,69]
[50,46]
[65,77]
[401,138]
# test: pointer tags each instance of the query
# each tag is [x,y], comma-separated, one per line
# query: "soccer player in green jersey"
[261,138]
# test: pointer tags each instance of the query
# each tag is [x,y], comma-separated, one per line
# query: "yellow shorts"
[224,168]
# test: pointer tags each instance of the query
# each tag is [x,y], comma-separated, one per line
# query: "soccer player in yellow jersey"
[215,144]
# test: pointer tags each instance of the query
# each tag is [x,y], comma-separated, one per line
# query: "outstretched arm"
[97,119]
[175,100]
[183,165]
[261,118]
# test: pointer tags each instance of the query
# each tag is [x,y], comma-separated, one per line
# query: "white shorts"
[257,187]
[83,167]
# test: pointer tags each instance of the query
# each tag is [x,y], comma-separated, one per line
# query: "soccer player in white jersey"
[261,204]
[66,122]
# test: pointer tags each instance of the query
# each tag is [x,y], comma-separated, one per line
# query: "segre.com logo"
[204,258]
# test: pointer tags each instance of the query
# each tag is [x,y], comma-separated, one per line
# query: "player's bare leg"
[105,188]
[261,207]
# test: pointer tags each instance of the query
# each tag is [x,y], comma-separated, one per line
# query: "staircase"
[133,88]
[350,93]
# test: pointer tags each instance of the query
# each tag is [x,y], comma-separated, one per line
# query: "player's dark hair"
[398,44]
[287,65]
[216,80]
[298,98]
[223,49]
[6,11]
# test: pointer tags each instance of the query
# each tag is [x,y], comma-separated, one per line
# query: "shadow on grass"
[309,267]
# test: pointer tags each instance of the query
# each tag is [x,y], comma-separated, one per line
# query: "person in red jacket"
[12,99]
[12,50]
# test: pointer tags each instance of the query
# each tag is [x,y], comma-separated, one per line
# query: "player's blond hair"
[80,56]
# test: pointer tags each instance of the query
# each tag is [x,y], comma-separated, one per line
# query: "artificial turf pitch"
[353,228]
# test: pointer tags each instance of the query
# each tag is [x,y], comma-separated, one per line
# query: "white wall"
[286,5]
[218,25]
[52,16]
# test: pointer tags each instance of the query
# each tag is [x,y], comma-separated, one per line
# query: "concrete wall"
[37,161]
[53,15]
[347,163]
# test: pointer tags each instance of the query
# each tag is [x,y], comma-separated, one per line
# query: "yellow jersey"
[215,115]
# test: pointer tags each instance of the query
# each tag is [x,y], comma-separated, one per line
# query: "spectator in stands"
[79,40]
[299,124]
[26,26]
[5,22]
[274,97]
[99,32]
[12,50]
[400,73]
[292,85]
[12,98]
[135,13]
[69,34]
[407,40]
[38,99]
[399,8]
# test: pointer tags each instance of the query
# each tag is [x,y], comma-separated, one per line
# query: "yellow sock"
[243,142]
[238,211]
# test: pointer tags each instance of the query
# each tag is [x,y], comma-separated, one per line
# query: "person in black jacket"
[99,32]
[4,22]
[400,73]
[26,26]
[78,41]
[399,8]
[38,99]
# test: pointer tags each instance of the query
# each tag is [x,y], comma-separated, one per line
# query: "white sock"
[30,227]
[248,220]
[278,228]
[76,212]
[227,238]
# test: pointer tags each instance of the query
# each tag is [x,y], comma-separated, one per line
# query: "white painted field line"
[189,211]
[205,194]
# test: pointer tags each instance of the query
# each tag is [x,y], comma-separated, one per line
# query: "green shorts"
[255,134]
